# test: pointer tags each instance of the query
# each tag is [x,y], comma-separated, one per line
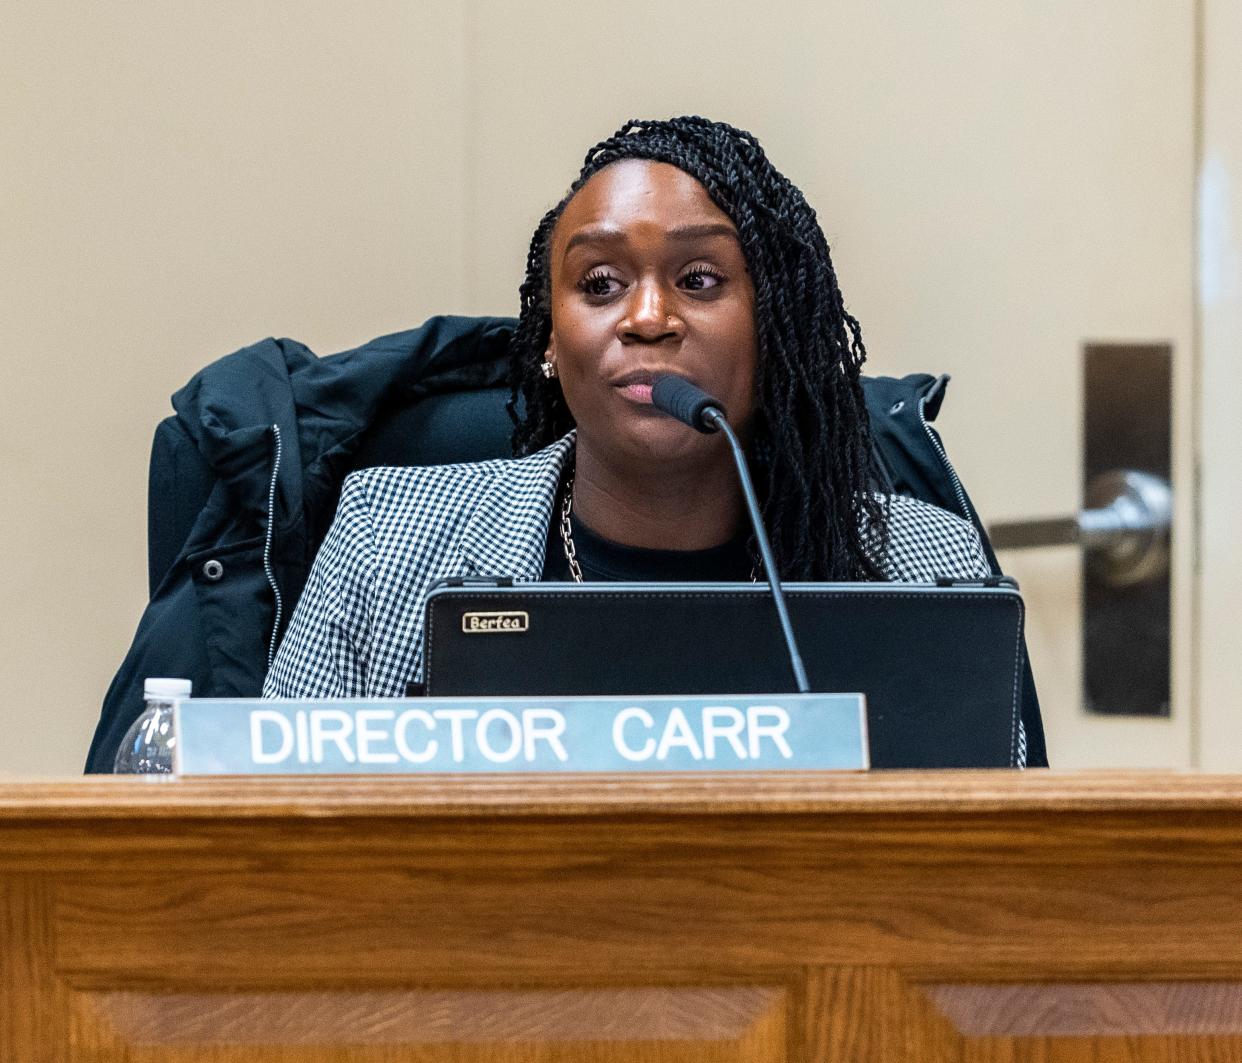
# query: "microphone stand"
[714,417]
[696,409]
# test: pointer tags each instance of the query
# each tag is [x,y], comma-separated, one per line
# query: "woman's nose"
[650,315]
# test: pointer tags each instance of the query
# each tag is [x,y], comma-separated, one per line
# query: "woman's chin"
[656,440]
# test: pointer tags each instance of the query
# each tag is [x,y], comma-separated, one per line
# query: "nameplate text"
[799,732]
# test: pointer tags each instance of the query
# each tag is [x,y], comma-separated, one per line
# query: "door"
[1001,184]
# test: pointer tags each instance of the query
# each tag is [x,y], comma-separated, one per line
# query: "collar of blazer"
[507,531]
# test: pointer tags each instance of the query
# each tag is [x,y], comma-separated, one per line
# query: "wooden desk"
[886,917]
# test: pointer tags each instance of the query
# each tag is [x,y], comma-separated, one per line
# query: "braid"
[811,452]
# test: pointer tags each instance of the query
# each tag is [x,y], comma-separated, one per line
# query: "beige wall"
[181,179]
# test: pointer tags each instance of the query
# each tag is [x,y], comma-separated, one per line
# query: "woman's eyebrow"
[698,232]
[601,234]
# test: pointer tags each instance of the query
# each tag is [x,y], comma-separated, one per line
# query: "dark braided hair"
[811,452]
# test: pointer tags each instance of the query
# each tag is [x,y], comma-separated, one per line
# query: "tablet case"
[941,666]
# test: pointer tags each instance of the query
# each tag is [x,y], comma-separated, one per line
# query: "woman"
[679,249]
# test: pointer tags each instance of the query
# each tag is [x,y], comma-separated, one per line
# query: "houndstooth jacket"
[358,628]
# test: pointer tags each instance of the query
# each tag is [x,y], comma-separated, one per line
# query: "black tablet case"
[941,667]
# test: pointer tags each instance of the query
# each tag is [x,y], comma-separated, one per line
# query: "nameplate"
[752,732]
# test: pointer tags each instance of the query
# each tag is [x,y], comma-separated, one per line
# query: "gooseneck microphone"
[692,406]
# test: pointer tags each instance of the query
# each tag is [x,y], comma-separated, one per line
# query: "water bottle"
[147,748]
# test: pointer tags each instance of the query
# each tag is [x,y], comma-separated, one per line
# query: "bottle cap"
[167,688]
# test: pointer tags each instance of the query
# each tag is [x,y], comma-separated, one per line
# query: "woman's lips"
[636,392]
[636,384]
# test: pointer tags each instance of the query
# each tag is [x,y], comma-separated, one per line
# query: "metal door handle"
[1124,528]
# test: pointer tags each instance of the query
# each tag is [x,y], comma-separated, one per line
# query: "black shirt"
[605,561]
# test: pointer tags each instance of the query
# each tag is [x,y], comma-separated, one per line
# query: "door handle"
[1124,528]
[1124,596]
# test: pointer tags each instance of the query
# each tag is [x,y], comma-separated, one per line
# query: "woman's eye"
[701,278]
[599,284]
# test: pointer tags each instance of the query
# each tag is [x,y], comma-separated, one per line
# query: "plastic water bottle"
[147,748]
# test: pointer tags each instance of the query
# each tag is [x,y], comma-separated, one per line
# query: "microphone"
[692,406]
[677,397]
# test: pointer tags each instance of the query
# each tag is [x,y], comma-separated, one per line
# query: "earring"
[549,370]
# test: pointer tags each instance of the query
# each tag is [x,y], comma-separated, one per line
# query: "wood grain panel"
[873,1015]
[420,1016]
[41,1019]
[132,798]
[740,1023]
[30,999]
[577,1052]
[1047,922]
[1081,1009]
[1096,1050]
[601,912]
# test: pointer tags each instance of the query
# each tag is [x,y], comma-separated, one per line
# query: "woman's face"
[648,278]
